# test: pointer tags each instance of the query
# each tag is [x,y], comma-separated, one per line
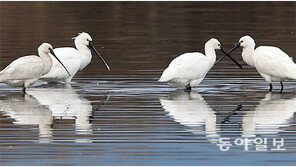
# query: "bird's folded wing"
[186,66]
[27,67]
[272,61]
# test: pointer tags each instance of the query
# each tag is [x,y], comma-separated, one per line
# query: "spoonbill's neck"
[85,54]
[247,54]
[210,54]
[47,61]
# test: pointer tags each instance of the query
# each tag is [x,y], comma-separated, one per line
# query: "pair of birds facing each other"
[272,63]
[52,65]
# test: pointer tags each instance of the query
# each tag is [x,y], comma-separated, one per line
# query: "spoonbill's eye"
[219,44]
[241,41]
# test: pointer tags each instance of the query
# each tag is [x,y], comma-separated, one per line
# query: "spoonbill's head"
[214,43]
[85,39]
[246,41]
[47,48]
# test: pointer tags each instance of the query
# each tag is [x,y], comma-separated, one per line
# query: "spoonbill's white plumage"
[73,58]
[271,62]
[189,69]
[26,70]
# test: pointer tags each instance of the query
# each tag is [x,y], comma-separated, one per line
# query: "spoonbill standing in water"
[74,59]
[189,69]
[26,70]
[271,62]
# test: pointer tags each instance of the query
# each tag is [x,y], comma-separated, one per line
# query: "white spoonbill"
[26,70]
[74,59]
[271,62]
[189,69]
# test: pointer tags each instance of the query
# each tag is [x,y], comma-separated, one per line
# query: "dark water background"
[124,117]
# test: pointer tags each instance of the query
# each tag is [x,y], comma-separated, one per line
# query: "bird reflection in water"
[270,116]
[191,110]
[42,105]
[27,110]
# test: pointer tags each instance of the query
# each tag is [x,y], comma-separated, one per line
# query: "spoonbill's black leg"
[270,87]
[282,87]
[24,90]
[188,88]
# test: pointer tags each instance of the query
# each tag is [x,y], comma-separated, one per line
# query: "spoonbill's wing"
[27,67]
[274,62]
[186,66]
[70,57]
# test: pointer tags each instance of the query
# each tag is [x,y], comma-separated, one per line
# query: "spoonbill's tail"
[166,75]
[161,79]
[292,72]
[2,77]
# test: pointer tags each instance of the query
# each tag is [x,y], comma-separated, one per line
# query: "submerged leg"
[282,87]
[188,88]
[68,80]
[267,79]
[270,87]
[24,90]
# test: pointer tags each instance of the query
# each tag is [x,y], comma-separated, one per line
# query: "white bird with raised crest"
[74,59]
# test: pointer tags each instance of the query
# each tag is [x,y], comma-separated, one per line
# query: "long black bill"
[226,54]
[51,51]
[233,49]
[95,50]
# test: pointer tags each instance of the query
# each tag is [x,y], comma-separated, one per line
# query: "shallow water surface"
[131,121]
[125,117]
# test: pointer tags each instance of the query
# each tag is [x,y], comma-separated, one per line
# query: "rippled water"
[126,117]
